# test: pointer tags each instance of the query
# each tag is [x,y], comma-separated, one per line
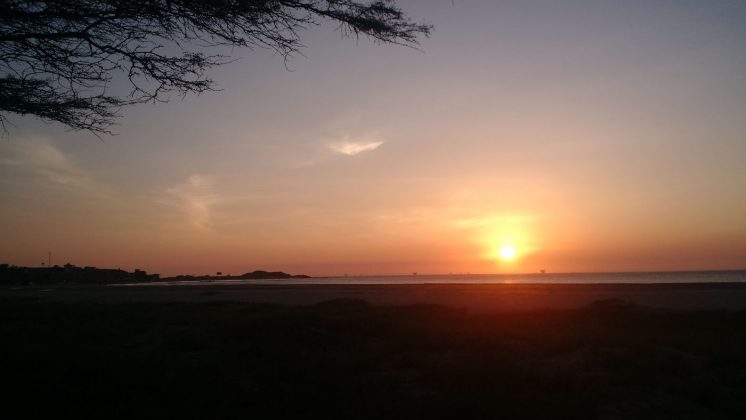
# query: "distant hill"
[254,275]
[261,274]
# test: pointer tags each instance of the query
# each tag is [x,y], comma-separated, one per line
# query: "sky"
[565,136]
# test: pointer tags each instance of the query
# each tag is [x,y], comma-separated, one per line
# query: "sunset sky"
[582,135]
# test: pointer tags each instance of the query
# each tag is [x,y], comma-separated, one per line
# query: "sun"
[507,252]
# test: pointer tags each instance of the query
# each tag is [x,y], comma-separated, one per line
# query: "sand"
[478,298]
[348,360]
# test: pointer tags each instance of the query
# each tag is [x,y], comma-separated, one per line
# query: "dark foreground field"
[347,359]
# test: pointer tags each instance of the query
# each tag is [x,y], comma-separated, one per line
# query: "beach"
[477,298]
[473,351]
[609,351]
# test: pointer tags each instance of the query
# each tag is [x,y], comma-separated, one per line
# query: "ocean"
[725,276]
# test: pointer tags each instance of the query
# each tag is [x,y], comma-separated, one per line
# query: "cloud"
[351,148]
[471,223]
[37,161]
[195,199]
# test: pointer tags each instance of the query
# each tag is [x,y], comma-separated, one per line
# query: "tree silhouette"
[58,57]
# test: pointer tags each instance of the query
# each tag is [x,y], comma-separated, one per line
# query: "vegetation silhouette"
[58,57]
[71,274]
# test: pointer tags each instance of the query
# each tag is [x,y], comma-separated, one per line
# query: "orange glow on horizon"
[506,240]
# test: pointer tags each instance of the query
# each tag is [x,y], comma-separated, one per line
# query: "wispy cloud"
[195,199]
[352,148]
[470,223]
[38,161]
